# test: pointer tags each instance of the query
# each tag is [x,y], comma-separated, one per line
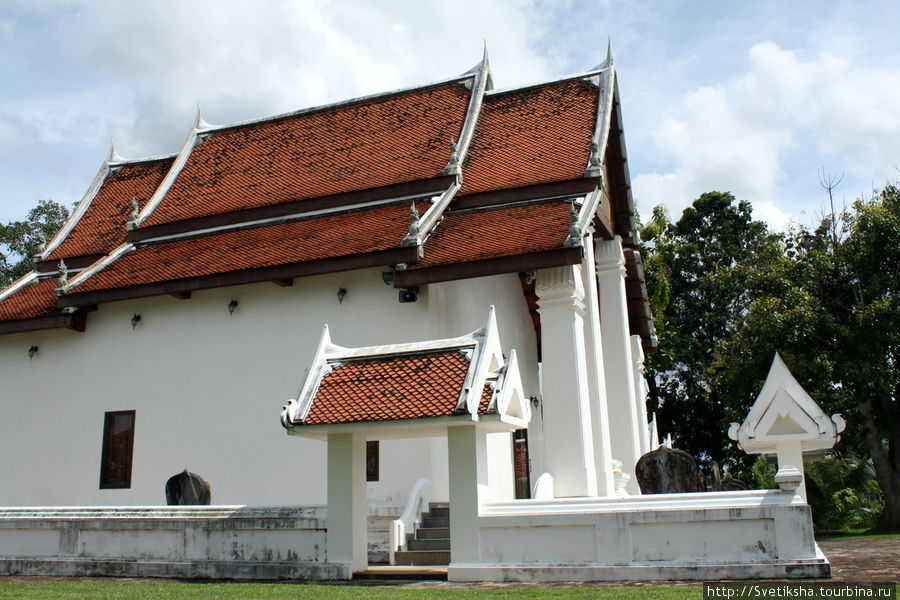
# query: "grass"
[145,590]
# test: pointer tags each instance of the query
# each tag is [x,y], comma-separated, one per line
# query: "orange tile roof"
[496,232]
[393,139]
[486,394]
[33,300]
[532,136]
[327,236]
[102,227]
[387,389]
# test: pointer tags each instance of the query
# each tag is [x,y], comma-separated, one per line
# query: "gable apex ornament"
[199,123]
[113,156]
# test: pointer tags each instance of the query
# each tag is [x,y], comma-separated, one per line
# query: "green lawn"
[139,590]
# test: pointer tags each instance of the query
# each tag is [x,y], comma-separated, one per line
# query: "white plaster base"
[812,569]
[213,542]
[708,536]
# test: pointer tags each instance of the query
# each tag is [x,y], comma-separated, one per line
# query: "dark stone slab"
[187,488]
[734,485]
[668,471]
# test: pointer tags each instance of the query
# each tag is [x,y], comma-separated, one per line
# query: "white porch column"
[467,455]
[346,537]
[616,339]
[568,444]
[599,410]
[640,392]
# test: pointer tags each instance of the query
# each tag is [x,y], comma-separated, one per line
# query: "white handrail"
[543,487]
[410,519]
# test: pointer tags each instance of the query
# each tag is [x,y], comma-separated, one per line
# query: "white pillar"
[467,455]
[346,522]
[616,340]
[568,444]
[640,393]
[596,378]
[790,454]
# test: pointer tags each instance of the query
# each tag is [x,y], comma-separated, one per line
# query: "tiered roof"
[501,181]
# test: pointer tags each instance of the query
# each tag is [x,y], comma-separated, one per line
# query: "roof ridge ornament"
[413,232]
[452,167]
[595,161]
[135,208]
[574,231]
[63,275]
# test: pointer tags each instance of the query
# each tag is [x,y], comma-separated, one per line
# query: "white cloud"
[784,113]
[93,69]
[158,59]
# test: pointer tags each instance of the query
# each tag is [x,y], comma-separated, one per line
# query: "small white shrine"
[785,422]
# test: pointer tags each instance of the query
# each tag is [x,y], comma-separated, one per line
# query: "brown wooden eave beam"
[72,262]
[421,187]
[492,266]
[273,274]
[74,321]
[533,192]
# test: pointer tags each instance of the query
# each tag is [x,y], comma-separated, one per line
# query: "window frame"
[108,417]
[373,458]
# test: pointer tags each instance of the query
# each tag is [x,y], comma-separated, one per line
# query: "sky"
[756,98]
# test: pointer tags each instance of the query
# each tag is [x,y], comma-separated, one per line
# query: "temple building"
[439,292]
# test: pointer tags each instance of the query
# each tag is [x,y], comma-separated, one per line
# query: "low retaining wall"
[708,536]
[216,542]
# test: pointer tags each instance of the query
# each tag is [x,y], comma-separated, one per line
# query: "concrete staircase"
[431,543]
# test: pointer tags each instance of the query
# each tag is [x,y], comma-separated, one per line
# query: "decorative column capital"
[560,287]
[609,256]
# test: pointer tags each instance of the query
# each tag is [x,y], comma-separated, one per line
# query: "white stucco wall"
[207,388]
[717,535]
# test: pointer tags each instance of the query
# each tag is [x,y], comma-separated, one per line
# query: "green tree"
[830,305]
[21,240]
[696,269]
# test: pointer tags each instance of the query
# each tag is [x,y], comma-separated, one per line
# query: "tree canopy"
[696,270]
[728,294]
[20,241]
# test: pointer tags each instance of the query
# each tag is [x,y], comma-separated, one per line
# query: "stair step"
[432,544]
[439,511]
[430,533]
[433,521]
[422,557]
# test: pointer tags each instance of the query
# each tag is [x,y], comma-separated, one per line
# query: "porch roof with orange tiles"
[390,389]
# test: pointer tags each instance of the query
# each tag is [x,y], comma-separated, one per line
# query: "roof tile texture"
[408,387]
[497,232]
[102,227]
[398,138]
[34,300]
[329,236]
[532,136]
